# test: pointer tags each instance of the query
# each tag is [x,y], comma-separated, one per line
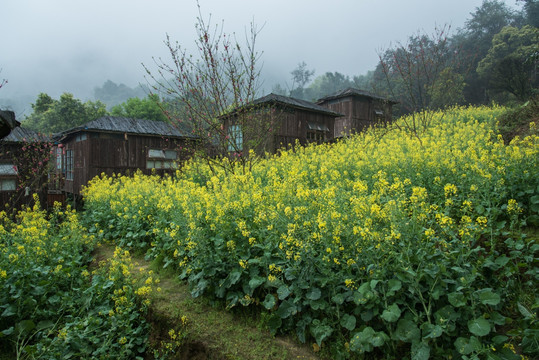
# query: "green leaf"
[348,322]
[392,313]
[25,326]
[431,331]
[234,276]
[320,331]
[420,351]
[456,299]
[467,346]
[256,281]
[488,297]
[361,341]
[407,331]
[338,299]
[274,323]
[393,286]
[479,326]
[283,291]
[314,294]
[525,312]
[269,302]
[8,331]
[286,309]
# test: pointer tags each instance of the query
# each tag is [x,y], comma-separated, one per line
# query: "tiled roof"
[352,92]
[132,126]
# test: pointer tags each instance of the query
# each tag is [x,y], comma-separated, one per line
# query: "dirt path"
[211,332]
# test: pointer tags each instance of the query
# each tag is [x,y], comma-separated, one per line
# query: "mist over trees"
[112,94]
[494,57]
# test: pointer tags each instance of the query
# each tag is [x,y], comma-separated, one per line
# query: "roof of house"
[7,122]
[132,126]
[353,92]
[286,101]
[20,134]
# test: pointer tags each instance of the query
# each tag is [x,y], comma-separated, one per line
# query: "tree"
[51,116]
[148,108]
[221,77]
[327,84]
[531,12]
[300,77]
[474,41]
[412,74]
[511,62]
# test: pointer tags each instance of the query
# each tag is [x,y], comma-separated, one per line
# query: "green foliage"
[413,251]
[148,108]
[52,306]
[511,61]
[51,116]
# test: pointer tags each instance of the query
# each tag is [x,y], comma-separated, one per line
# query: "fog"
[58,46]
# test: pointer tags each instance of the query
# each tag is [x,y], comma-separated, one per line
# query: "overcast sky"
[57,46]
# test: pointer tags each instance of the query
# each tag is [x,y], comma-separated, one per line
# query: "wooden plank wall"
[112,154]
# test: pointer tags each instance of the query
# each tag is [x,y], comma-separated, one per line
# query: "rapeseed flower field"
[52,305]
[387,244]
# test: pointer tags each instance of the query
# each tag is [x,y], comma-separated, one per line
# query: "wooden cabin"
[24,160]
[275,121]
[361,109]
[118,145]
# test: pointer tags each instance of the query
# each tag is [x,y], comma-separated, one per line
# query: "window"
[316,132]
[81,137]
[161,159]
[59,158]
[9,173]
[69,165]
[235,136]
[8,184]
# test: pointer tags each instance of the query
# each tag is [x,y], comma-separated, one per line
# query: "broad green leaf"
[256,281]
[467,346]
[420,351]
[456,299]
[488,297]
[407,331]
[274,323]
[286,309]
[283,291]
[361,341]
[431,331]
[392,313]
[320,331]
[479,326]
[314,294]
[269,302]
[348,322]
[394,285]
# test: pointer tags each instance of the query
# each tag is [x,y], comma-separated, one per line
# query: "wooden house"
[275,121]
[360,109]
[117,145]
[24,159]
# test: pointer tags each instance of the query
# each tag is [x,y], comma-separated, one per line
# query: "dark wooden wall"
[104,153]
[359,113]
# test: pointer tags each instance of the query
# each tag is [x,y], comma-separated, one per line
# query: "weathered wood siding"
[106,153]
[360,112]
